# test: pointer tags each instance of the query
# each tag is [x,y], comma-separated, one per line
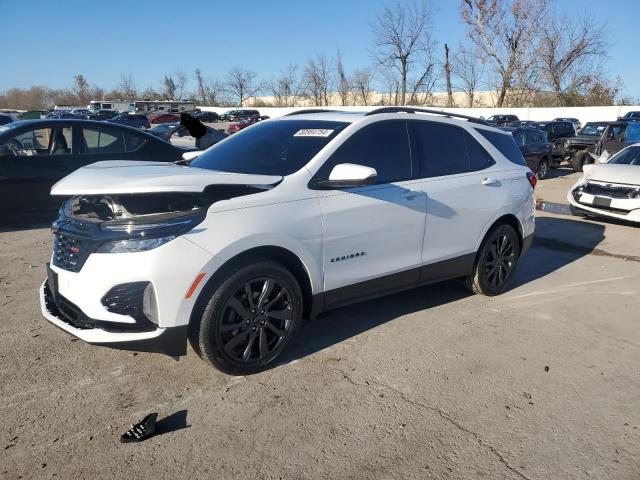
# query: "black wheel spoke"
[279,295]
[230,327]
[267,288]
[264,348]
[285,314]
[237,307]
[279,332]
[247,351]
[236,341]
[249,293]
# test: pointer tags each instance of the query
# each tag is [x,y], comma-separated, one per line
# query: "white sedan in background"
[610,189]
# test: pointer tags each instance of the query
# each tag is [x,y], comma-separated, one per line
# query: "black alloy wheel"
[256,320]
[500,261]
[495,262]
[249,314]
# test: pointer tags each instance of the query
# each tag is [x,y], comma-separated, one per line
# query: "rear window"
[278,147]
[505,144]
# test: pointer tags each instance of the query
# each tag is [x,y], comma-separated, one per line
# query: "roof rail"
[310,110]
[425,110]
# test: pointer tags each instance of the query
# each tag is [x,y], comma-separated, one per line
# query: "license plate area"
[601,201]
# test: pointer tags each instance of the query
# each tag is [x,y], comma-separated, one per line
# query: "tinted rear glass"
[278,147]
[505,145]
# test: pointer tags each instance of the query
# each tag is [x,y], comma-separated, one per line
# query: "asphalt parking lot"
[542,382]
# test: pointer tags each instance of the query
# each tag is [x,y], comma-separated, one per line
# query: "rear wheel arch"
[507,219]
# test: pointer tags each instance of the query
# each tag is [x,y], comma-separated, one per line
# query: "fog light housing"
[135,299]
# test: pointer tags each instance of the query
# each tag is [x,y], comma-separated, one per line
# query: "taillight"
[533,180]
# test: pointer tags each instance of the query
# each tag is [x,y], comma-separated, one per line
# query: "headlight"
[134,245]
[140,237]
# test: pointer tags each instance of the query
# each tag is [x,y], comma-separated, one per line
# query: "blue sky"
[46,43]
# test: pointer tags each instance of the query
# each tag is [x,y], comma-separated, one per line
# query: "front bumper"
[618,208]
[170,341]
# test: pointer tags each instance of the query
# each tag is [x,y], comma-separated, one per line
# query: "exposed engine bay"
[130,207]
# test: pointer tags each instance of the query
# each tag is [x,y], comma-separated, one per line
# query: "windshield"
[277,147]
[593,129]
[628,156]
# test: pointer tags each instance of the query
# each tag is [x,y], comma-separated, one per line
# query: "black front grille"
[611,191]
[70,252]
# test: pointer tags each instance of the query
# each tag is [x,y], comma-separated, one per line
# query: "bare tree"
[180,80]
[361,83]
[447,74]
[403,35]
[391,84]
[571,53]
[81,89]
[317,79]
[127,87]
[284,87]
[504,32]
[201,92]
[241,84]
[342,80]
[467,73]
[169,87]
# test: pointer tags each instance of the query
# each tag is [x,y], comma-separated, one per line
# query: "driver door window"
[41,141]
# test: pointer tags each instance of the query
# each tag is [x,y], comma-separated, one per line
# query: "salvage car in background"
[34,154]
[502,120]
[556,132]
[207,116]
[611,189]
[598,139]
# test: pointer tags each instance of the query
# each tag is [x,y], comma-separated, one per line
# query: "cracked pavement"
[542,382]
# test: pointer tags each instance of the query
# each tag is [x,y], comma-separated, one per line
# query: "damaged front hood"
[126,177]
[613,173]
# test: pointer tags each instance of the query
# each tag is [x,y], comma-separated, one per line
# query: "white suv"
[282,221]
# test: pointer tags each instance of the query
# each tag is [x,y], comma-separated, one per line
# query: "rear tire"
[250,317]
[496,262]
[543,169]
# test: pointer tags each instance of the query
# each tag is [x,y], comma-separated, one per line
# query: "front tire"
[496,262]
[250,317]
[578,160]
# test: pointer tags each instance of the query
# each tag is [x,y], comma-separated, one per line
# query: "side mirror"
[346,175]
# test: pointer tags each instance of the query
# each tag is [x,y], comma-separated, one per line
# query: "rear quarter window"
[505,144]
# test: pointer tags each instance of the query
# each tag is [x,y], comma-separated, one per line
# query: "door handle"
[410,195]
[489,182]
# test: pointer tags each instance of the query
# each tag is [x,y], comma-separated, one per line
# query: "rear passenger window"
[505,144]
[133,141]
[441,149]
[479,159]
[383,146]
[100,141]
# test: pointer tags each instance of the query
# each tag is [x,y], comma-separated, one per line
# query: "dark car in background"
[502,120]
[164,118]
[631,116]
[207,116]
[6,118]
[239,114]
[35,154]
[131,120]
[241,124]
[535,148]
[574,121]
[557,132]
[63,114]
[102,115]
